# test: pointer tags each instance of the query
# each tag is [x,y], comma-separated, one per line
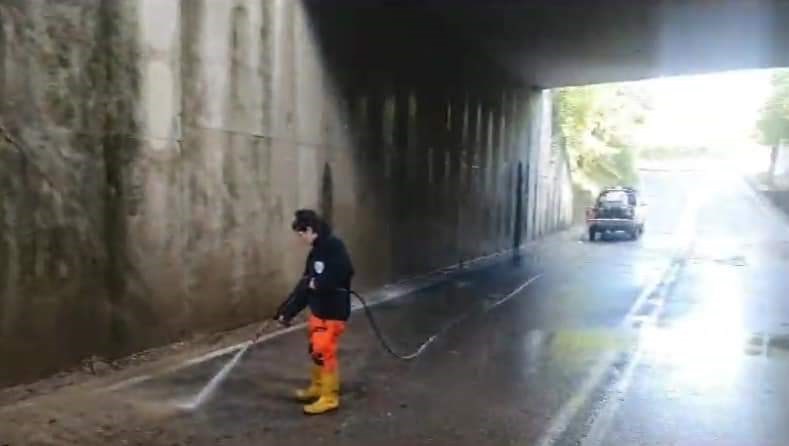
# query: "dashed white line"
[567,412]
[605,417]
[561,421]
[602,422]
[515,292]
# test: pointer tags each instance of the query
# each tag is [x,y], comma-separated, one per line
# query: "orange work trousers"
[324,339]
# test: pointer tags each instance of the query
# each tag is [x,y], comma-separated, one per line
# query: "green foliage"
[773,124]
[597,127]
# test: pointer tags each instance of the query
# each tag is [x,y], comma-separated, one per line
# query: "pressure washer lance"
[210,388]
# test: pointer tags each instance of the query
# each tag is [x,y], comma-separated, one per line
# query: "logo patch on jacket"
[318,267]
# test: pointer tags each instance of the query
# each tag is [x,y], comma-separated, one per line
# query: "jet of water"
[212,385]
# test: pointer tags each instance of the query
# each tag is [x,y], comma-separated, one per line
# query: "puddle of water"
[569,344]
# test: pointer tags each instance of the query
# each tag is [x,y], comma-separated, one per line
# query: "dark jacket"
[330,266]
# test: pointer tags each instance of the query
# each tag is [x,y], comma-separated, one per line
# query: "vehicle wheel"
[592,234]
[634,233]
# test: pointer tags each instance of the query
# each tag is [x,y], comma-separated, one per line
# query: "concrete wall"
[154,151]
[66,128]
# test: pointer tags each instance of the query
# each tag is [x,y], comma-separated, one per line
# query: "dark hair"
[307,218]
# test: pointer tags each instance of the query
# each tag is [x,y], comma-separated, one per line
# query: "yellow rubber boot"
[330,395]
[313,391]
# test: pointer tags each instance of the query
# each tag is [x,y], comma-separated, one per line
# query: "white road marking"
[128,382]
[561,421]
[199,359]
[390,295]
[602,420]
[389,292]
[567,412]
[514,292]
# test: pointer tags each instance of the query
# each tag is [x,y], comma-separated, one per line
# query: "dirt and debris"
[97,372]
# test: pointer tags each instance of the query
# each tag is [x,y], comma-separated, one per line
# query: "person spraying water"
[325,288]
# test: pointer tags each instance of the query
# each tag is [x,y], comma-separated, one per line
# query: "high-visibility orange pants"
[324,338]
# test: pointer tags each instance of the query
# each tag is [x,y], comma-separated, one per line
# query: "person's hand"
[312,284]
[284,322]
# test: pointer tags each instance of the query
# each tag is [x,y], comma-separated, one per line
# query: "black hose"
[382,339]
[416,353]
[373,324]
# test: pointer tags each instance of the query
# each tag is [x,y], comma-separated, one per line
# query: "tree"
[773,123]
[597,126]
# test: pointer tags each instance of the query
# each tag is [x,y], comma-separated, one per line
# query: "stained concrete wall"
[154,151]
[66,129]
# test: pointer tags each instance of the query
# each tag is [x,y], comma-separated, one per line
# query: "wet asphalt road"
[713,367]
[679,338]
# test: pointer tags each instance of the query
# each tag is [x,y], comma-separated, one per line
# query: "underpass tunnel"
[154,150]
[438,128]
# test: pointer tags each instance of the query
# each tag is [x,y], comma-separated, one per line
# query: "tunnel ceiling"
[551,43]
[567,42]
